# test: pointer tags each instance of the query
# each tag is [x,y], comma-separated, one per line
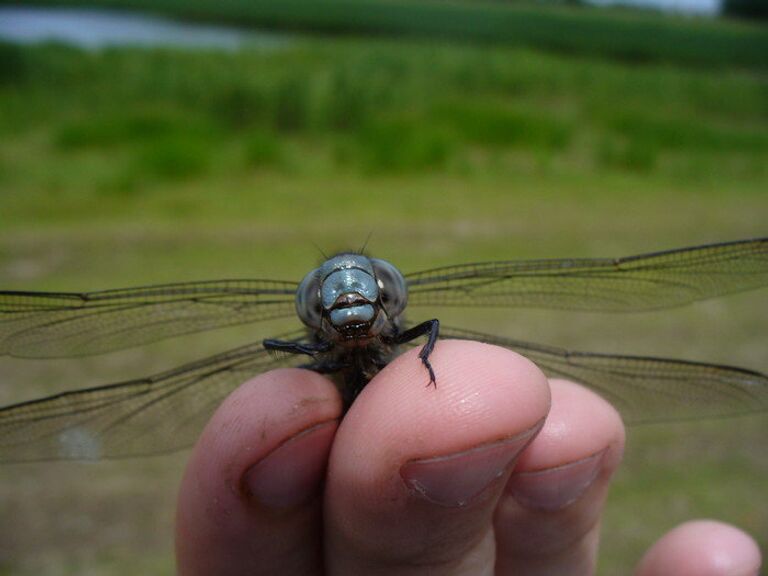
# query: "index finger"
[250,501]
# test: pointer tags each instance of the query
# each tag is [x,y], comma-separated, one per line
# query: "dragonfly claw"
[428,366]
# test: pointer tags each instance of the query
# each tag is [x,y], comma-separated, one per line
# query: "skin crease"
[496,471]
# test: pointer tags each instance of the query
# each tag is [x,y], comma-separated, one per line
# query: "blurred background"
[152,141]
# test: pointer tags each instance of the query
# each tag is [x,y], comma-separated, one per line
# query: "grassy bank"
[628,37]
[133,127]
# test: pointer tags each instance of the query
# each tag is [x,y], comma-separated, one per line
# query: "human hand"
[498,471]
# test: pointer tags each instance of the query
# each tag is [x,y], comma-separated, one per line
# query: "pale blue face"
[344,289]
[349,294]
[353,293]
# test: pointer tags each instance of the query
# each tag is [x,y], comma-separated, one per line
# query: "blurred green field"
[119,125]
[124,167]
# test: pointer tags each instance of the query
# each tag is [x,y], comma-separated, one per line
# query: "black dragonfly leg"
[431,328]
[296,347]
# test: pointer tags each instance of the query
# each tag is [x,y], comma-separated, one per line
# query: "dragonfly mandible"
[352,308]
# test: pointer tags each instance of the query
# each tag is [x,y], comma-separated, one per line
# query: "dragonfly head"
[351,296]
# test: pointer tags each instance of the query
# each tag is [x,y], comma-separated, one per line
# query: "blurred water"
[95,29]
[690,7]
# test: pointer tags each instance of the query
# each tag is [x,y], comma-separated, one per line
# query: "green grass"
[126,167]
[619,35]
[357,108]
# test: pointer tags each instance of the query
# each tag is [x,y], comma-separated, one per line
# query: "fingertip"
[479,388]
[483,395]
[252,482]
[702,548]
[548,520]
[257,417]
[580,423]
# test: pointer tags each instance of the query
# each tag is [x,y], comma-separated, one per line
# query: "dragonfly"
[353,324]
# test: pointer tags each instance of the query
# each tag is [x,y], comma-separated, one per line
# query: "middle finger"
[415,472]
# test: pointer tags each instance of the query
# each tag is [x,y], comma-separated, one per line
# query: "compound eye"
[308,300]
[394,290]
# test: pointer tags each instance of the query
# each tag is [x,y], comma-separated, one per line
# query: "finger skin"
[236,514]
[415,471]
[702,548]
[548,519]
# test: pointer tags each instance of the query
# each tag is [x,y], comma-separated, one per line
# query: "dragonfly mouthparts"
[349,300]
[358,311]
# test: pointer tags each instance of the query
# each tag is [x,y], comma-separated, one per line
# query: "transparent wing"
[152,415]
[645,282]
[646,389]
[48,324]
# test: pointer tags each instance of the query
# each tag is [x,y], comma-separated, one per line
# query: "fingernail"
[293,472]
[455,479]
[556,488]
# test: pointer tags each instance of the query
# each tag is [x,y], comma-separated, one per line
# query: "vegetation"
[124,122]
[746,9]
